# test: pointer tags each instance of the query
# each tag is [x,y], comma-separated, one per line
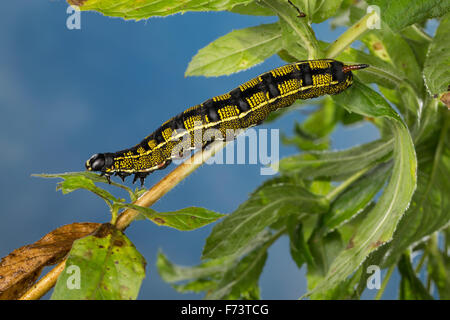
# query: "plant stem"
[350,35]
[421,262]
[385,282]
[127,216]
[45,284]
[340,188]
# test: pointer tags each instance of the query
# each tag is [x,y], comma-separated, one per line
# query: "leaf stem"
[386,279]
[127,216]
[340,188]
[350,35]
[421,262]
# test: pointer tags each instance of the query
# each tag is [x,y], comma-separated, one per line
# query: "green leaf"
[243,276]
[137,10]
[211,269]
[401,13]
[380,223]
[103,266]
[324,250]
[319,124]
[236,51]
[208,276]
[410,286]
[318,10]
[300,26]
[355,198]
[252,8]
[336,164]
[272,201]
[299,249]
[430,205]
[83,183]
[418,40]
[394,49]
[186,219]
[437,64]
[292,46]
[439,268]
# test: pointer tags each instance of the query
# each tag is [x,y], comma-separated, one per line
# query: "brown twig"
[45,284]
[166,184]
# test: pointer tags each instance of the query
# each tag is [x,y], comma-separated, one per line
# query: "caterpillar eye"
[96,162]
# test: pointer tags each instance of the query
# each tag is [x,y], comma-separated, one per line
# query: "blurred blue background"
[66,94]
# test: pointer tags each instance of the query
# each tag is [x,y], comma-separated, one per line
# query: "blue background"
[66,94]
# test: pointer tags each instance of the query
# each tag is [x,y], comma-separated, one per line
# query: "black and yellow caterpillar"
[241,108]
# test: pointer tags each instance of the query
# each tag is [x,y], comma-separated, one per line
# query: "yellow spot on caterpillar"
[319,64]
[222,97]
[152,144]
[167,134]
[249,84]
[321,79]
[256,99]
[228,112]
[140,150]
[189,123]
[288,86]
[282,71]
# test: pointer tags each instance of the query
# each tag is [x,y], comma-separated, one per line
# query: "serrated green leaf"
[252,8]
[318,10]
[401,13]
[196,286]
[292,46]
[209,274]
[312,134]
[437,64]
[299,249]
[300,26]
[103,266]
[418,40]
[266,205]
[381,221]
[137,10]
[94,177]
[394,49]
[207,270]
[411,288]
[430,205]
[243,276]
[236,51]
[355,198]
[336,165]
[324,250]
[185,219]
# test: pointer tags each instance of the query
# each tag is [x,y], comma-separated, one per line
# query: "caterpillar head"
[342,76]
[99,162]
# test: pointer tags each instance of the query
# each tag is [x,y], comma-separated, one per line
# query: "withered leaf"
[21,268]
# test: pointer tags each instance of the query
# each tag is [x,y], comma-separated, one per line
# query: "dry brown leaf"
[445,98]
[21,268]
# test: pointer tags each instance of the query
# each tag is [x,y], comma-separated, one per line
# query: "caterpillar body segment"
[243,107]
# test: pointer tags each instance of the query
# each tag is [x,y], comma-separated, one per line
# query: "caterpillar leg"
[107,176]
[141,176]
[122,175]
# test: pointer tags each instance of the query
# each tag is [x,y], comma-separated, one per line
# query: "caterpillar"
[245,106]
